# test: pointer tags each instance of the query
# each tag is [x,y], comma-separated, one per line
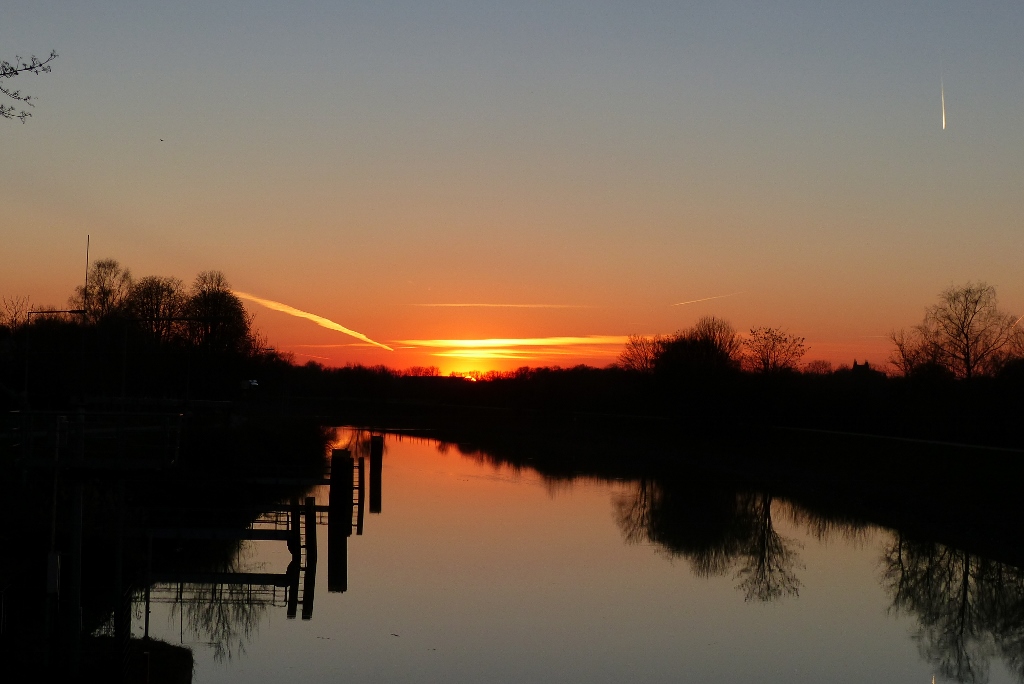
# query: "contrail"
[942,91]
[514,306]
[319,320]
[694,301]
[1017,321]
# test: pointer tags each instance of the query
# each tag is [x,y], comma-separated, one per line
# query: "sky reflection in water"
[476,572]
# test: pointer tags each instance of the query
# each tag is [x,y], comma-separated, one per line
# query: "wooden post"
[339,520]
[376,468]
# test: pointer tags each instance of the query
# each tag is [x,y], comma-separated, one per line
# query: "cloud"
[521,342]
[513,306]
[525,348]
[319,320]
[705,299]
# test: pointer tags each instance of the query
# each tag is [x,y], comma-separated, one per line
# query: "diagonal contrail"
[694,301]
[319,320]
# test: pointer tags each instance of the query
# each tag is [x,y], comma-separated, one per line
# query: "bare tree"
[218,320]
[818,367]
[965,333]
[719,333]
[19,67]
[156,302]
[640,352]
[106,289]
[13,312]
[773,349]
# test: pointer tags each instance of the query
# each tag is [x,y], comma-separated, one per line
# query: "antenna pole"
[85,286]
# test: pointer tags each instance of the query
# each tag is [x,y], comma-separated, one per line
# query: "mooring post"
[376,468]
[339,520]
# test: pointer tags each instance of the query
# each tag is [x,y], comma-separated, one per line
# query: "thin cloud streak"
[332,346]
[319,320]
[513,306]
[705,299]
[520,342]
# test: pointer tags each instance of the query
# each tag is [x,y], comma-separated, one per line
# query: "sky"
[594,164]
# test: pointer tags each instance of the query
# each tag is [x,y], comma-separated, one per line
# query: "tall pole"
[85,284]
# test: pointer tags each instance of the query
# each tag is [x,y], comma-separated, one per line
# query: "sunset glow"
[536,349]
[479,172]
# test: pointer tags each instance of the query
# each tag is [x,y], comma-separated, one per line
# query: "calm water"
[474,572]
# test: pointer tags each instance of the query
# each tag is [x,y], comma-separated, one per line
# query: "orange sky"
[363,163]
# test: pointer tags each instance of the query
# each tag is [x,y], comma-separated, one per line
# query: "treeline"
[959,376]
[121,337]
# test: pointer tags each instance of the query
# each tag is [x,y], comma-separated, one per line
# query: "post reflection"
[118,537]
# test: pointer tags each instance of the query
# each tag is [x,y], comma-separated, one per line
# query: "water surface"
[475,571]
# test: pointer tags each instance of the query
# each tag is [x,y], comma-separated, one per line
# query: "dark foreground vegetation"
[99,512]
[129,344]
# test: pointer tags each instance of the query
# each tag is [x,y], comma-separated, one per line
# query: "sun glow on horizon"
[522,348]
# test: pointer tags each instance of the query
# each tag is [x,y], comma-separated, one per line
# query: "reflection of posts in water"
[293,587]
[376,467]
[309,577]
[295,547]
[361,494]
[339,520]
[295,532]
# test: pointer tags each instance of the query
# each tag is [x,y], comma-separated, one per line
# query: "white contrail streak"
[319,320]
[513,306]
[942,91]
[1017,321]
[705,299]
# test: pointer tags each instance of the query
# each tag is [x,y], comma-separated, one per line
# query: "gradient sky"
[359,160]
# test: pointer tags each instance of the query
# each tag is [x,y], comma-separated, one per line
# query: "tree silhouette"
[773,349]
[157,304]
[710,348]
[640,352]
[20,67]
[217,321]
[965,333]
[107,286]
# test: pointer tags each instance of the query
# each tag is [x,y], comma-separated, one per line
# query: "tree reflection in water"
[224,616]
[717,531]
[968,608]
